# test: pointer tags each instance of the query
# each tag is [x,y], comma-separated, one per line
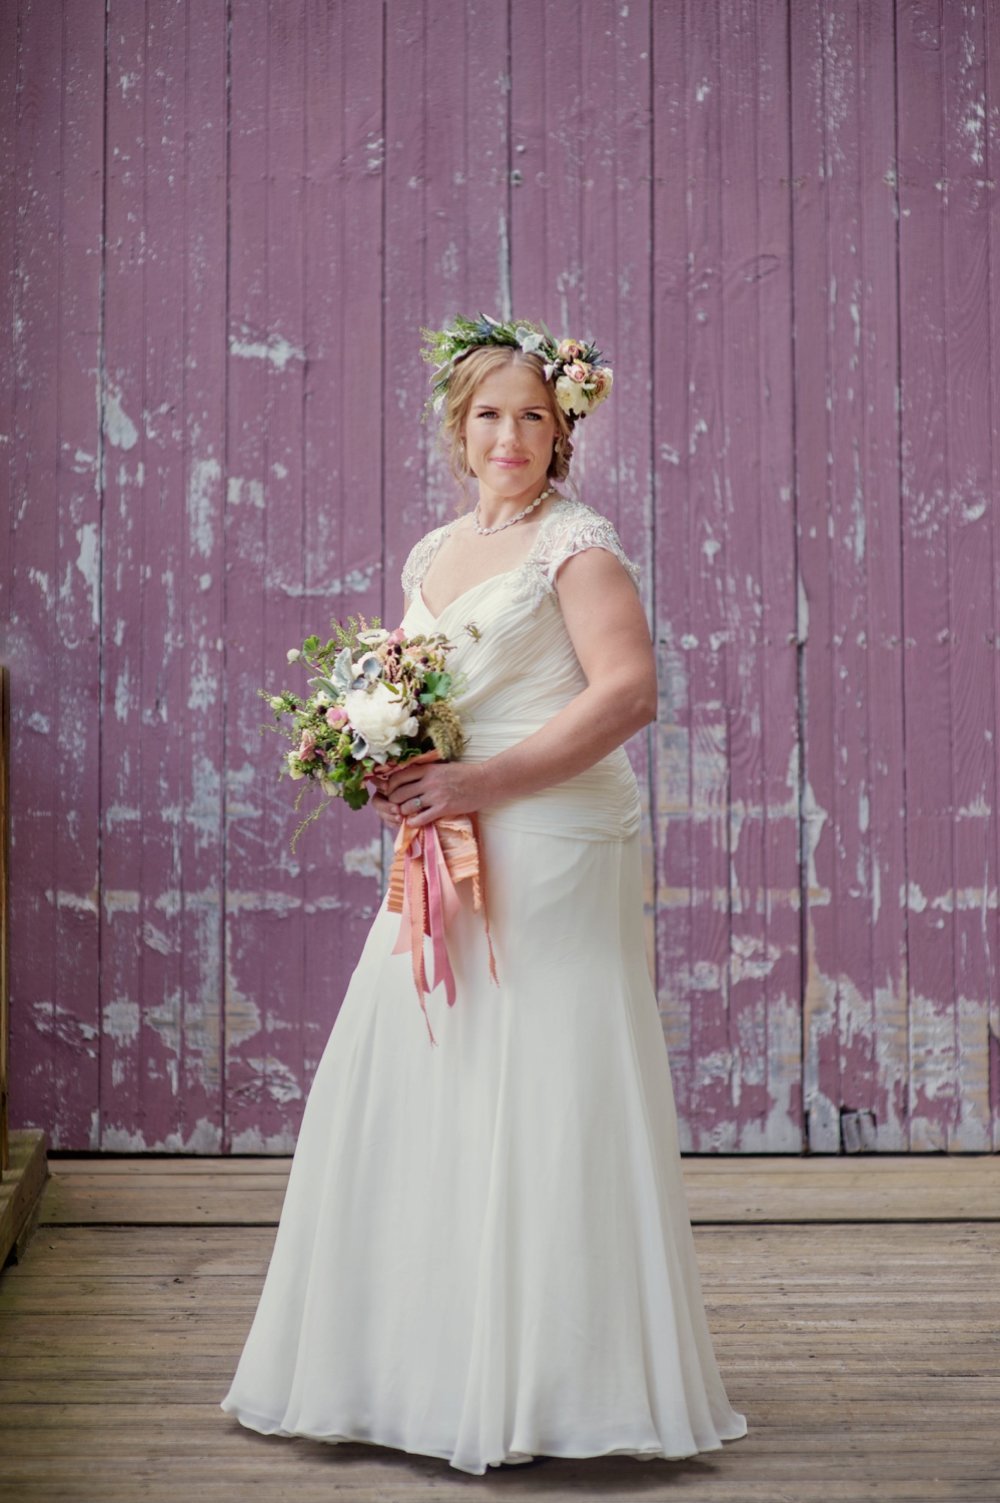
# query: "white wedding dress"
[485,1252]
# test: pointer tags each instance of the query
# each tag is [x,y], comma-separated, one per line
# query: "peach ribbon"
[428,861]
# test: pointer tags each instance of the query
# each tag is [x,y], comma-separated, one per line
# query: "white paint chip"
[239,491]
[274,349]
[118,426]
[205,476]
[120,1020]
[364,860]
[88,563]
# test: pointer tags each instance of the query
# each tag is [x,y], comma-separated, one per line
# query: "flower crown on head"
[581,375]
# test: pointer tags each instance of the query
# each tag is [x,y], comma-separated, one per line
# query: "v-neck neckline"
[500,574]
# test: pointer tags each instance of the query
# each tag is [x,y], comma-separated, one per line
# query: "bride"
[484,1252]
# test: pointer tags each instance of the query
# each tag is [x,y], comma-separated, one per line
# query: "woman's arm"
[607,627]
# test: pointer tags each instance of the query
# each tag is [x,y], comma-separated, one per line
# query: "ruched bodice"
[517,668]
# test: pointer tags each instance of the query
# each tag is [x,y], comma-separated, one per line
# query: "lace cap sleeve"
[419,558]
[578,527]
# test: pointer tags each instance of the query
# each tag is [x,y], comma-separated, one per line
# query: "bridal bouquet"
[380,698]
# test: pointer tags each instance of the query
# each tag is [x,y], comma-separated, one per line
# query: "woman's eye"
[536,417]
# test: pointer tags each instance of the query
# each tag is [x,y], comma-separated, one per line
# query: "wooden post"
[4,908]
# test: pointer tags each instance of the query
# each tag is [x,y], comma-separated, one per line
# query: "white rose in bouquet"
[380,718]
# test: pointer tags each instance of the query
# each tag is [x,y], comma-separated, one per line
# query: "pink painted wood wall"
[222,228]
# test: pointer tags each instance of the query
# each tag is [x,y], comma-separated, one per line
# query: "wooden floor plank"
[856,1188]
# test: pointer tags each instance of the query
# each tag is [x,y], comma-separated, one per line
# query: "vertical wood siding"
[221,232]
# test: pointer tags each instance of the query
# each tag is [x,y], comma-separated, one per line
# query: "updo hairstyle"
[466,377]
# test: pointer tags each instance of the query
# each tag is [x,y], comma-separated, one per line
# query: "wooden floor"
[855,1305]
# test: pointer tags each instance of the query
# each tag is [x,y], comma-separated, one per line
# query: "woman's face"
[509,432]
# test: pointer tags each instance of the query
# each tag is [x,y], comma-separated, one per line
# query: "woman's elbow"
[642,701]
[647,707]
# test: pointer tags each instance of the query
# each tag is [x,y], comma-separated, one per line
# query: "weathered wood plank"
[188,1013]
[53,122]
[850,630]
[992,128]
[942,483]
[815,618]
[756,569]
[972,538]
[677,976]
[713,1049]
[342,467]
[718,1189]
[163,435]
[127,782]
[884,916]
[266,1004]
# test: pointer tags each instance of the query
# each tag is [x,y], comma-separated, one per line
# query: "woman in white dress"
[484,1252]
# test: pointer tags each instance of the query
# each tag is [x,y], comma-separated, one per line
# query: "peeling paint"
[118,426]
[79,902]
[205,476]
[204,1138]
[116,900]
[41,579]
[252,1140]
[364,860]
[155,939]
[276,350]
[274,1078]
[122,694]
[814,817]
[355,582]
[88,562]
[118,814]
[120,1020]
[242,1017]
[262,902]
[52,1020]
[752,957]
[203,683]
[122,1140]
[239,490]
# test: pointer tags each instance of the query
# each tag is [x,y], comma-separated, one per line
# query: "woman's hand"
[387,812]
[442,788]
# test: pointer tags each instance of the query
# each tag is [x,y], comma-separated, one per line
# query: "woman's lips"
[510,464]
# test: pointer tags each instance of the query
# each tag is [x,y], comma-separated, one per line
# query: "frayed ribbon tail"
[410,893]
[427,864]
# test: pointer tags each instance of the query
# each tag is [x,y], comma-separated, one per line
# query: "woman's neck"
[493,511]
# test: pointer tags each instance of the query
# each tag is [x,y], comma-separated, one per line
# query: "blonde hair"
[467,376]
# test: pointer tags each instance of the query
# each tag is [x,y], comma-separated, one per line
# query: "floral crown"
[581,375]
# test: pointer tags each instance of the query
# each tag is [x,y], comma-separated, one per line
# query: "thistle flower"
[445,731]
